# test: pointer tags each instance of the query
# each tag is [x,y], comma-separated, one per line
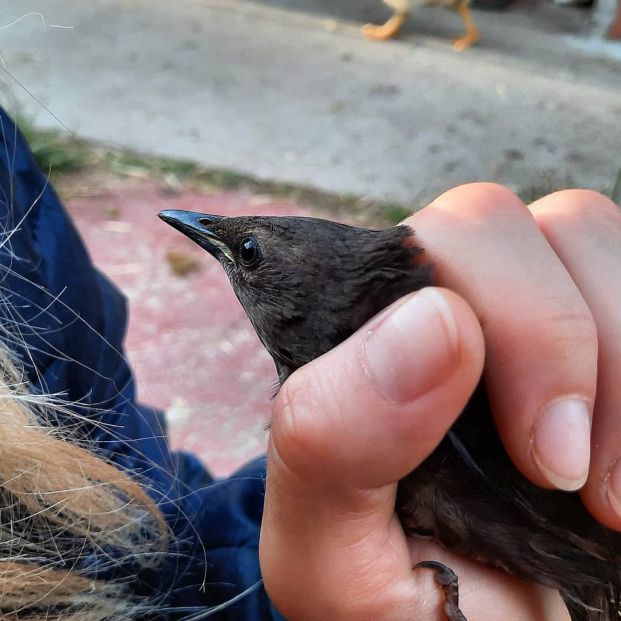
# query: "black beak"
[197,226]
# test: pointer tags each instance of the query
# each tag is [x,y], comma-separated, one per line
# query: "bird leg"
[447,579]
[392,26]
[472,32]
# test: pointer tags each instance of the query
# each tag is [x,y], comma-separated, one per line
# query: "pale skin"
[525,292]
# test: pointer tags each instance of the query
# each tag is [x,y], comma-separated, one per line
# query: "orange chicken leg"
[393,25]
[472,32]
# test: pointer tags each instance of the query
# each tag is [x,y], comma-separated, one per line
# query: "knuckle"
[586,207]
[483,200]
[573,328]
[298,424]
[289,421]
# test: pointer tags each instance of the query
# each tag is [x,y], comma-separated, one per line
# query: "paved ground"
[289,90]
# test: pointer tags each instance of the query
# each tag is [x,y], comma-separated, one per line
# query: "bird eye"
[249,252]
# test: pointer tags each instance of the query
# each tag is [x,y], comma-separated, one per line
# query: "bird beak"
[197,226]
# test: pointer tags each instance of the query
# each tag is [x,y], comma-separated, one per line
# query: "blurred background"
[282,106]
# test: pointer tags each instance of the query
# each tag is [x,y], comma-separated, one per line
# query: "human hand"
[544,283]
[342,436]
[331,545]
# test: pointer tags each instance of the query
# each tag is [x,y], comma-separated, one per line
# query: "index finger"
[540,338]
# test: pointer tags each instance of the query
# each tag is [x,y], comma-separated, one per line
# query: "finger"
[541,343]
[345,428]
[584,228]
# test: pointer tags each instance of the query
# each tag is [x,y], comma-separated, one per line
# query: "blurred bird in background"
[402,9]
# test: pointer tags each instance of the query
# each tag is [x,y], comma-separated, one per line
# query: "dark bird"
[306,285]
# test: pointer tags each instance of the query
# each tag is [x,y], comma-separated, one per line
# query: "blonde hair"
[59,502]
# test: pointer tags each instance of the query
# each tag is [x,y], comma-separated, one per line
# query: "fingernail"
[413,347]
[613,486]
[561,443]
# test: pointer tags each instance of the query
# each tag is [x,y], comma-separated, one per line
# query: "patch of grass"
[615,193]
[547,182]
[179,168]
[52,152]
[225,179]
[551,181]
[394,213]
[284,189]
[66,155]
[125,162]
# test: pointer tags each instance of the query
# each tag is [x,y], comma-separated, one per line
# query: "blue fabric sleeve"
[66,322]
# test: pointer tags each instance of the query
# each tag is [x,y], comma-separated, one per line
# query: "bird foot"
[384,31]
[448,580]
[463,43]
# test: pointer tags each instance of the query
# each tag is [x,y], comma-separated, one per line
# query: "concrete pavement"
[288,90]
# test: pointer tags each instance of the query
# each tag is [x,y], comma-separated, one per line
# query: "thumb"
[345,428]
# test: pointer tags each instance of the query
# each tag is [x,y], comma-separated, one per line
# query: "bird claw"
[448,580]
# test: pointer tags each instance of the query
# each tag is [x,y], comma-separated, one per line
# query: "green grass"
[53,153]
[394,212]
[615,193]
[225,179]
[61,155]
[549,183]
[125,162]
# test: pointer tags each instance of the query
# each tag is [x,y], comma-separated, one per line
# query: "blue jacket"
[73,320]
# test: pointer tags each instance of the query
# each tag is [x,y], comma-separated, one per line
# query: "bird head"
[306,283]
